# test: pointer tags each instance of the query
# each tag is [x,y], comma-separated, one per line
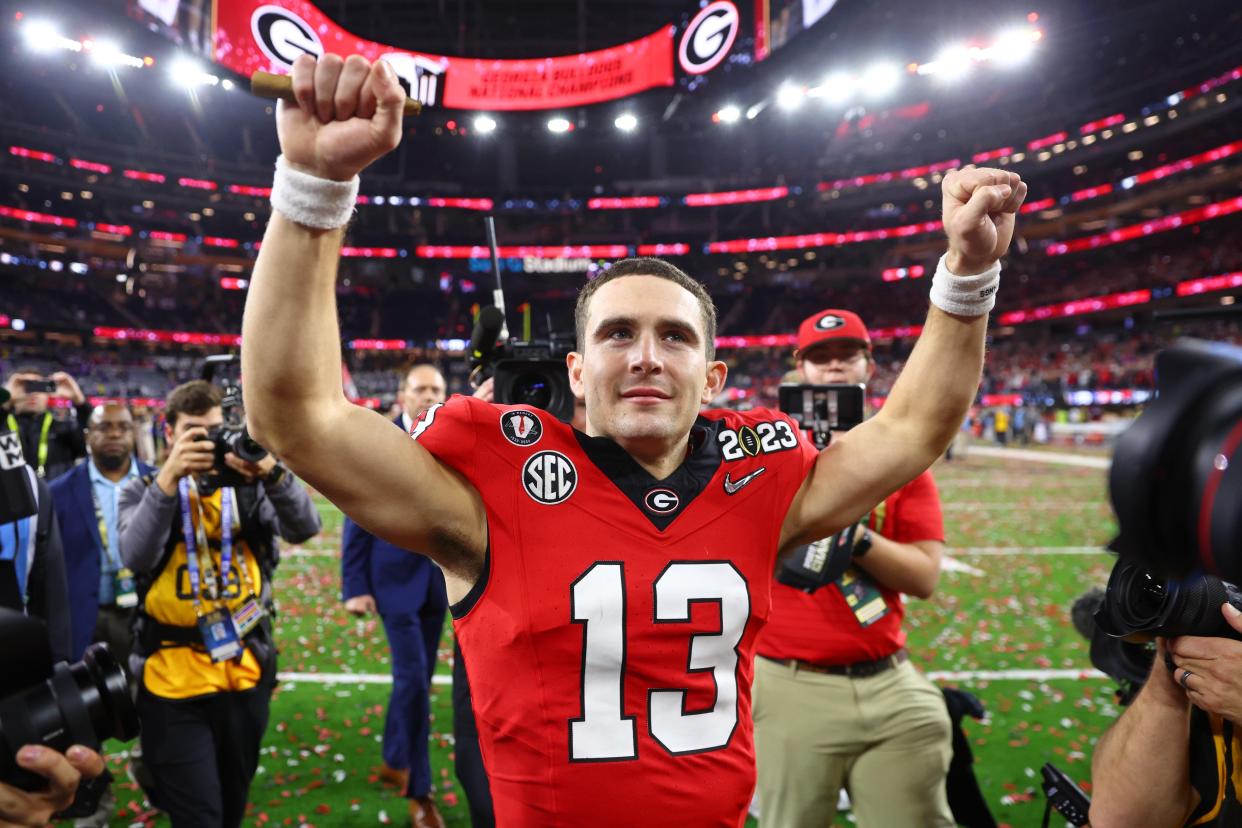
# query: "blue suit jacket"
[79,530]
[399,580]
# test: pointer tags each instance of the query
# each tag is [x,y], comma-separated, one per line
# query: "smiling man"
[607,586]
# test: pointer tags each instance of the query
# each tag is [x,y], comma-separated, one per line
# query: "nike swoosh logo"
[735,486]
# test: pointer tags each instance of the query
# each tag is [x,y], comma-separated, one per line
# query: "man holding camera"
[1174,755]
[201,538]
[837,702]
[51,446]
[64,773]
[407,590]
[607,587]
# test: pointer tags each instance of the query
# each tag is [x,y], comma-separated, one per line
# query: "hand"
[1162,686]
[978,213]
[348,114]
[360,605]
[63,773]
[1215,665]
[16,385]
[250,471]
[191,453]
[486,390]
[67,387]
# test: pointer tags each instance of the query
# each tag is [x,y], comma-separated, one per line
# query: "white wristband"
[310,200]
[965,295]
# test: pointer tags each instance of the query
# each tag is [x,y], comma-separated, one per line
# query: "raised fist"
[979,206]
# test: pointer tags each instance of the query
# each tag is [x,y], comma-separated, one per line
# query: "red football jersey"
[610,642]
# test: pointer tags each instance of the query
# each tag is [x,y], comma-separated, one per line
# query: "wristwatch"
[274,476]
[862,542]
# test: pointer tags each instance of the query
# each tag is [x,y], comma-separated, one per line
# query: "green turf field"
[1008,611]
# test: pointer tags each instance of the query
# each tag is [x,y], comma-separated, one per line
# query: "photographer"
[1172,757]
[51,446]
[837,703]
[204,552]
[63,772]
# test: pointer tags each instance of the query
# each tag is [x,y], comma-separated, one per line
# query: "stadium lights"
[626,122]
[109,55]
[953,63]
[836,89]
[880,80]
[1014,46]
[560,125]
[485,124]
[42,36]
[790,96]
[728,115]
[187,73]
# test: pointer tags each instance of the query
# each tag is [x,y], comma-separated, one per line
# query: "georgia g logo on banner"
[709,37]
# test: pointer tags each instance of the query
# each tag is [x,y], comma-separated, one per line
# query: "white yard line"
[1027,550]
[1040,456]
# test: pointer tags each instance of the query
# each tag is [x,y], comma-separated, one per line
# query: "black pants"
[203,753]
[469,764]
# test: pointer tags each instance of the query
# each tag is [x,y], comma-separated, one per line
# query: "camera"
[823,409]
[231,435]
[524,372]
[57,705]
[1064,795]
[39,386]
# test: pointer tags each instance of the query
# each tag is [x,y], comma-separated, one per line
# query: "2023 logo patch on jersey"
[764,438]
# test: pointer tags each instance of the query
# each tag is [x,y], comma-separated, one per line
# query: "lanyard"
[103,526]
[43,433]
[192,543]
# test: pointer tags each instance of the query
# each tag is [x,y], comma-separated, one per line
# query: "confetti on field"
[1008,612]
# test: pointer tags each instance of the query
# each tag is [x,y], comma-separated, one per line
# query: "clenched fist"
[979,206]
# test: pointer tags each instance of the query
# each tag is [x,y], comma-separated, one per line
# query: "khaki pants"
[886,739]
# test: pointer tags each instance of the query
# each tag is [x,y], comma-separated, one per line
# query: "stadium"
[788,154]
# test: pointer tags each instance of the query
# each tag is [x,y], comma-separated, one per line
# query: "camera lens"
[532,389]
[83,703]
[1147,594]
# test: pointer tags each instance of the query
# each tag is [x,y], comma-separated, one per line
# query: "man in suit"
[101,591]
[407,590]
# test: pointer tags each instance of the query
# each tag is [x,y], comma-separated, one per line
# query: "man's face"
[185,422]
[424,387]
[110,437]
[643,371]
[31,403]
[841,361]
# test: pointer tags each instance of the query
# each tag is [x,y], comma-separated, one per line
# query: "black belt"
[859,669]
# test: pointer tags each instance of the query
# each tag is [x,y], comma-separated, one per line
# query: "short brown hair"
[648,267]
[195,398]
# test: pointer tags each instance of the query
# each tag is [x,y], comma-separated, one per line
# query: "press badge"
[125,589]
[246,615]
[219,635]
[863,597]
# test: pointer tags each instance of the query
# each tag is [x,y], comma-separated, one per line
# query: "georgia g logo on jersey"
[522,428]
[549,477]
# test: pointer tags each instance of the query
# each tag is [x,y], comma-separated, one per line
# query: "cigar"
[268,85]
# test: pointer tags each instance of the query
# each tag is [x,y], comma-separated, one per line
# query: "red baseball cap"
[831,325]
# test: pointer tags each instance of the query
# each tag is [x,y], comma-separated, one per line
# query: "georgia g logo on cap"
[829,322]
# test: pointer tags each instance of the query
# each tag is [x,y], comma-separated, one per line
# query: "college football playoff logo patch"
[661,501]
[522,428]
[549,477]
[829,322]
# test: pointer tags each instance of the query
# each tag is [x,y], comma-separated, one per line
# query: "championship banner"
[252,35]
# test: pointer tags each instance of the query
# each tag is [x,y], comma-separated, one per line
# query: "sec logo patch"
[549,477]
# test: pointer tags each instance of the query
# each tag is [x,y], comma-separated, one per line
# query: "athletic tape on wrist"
[965,295]
[310,200]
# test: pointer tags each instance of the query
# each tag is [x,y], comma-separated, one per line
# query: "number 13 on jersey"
[598,602]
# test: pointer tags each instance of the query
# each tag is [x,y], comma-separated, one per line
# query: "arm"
[912,568]
[48,589]
[73,435]
[937,385]
[348,115]
[1140,773]
[296,520]
[145,516]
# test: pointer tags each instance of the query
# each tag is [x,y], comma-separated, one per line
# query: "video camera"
[1176,487]
[524,372]
[821,410]
[231,435]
